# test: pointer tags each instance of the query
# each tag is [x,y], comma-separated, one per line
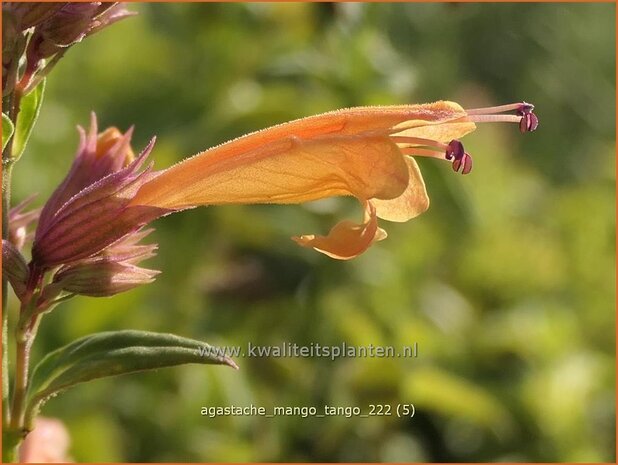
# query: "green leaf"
[30,106]
[7,129]
[114,353]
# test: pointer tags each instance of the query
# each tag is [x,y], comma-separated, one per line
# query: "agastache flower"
[364,152]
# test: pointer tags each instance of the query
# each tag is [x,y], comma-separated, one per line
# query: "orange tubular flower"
[364,152]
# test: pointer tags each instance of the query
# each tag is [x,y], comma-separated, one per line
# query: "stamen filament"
[500,108]
[416,152]
[419,141]
[478,118]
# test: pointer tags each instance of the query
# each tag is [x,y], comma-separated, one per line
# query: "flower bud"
[10,34]
[14,268]
[11,40]
[98,155]
[108,14]
[67,27]
[102,278]
[29,14]
[110,272]
[70,24]
[113,271]
[95,218]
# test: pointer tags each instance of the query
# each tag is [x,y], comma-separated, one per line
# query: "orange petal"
[411,203]
[346,239]
[108,139]
[344,152]
[288,170]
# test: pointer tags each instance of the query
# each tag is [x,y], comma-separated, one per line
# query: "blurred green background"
[507,283]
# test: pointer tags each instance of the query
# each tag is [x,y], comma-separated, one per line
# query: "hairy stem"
[10,106]
[6,201]
[25,334]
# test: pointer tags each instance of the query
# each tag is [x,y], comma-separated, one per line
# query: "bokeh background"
[507,283]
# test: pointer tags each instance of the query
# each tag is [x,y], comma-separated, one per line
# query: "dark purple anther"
[465,163]
[461,159]
[455,150]
[525,108]
[529,121]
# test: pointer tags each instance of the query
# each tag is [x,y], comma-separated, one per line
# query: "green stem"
[6,203]
[6,412]
[22,364]
[10,437]
[10,441]
[8,106]
[25,334]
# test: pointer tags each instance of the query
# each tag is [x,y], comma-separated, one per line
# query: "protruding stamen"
[523,107]
[524,115]
[454,150]
[520,113]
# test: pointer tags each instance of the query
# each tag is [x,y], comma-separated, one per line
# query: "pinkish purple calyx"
[110,272]
[95,218]
[98,155]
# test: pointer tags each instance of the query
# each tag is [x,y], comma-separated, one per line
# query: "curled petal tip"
[346,240]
